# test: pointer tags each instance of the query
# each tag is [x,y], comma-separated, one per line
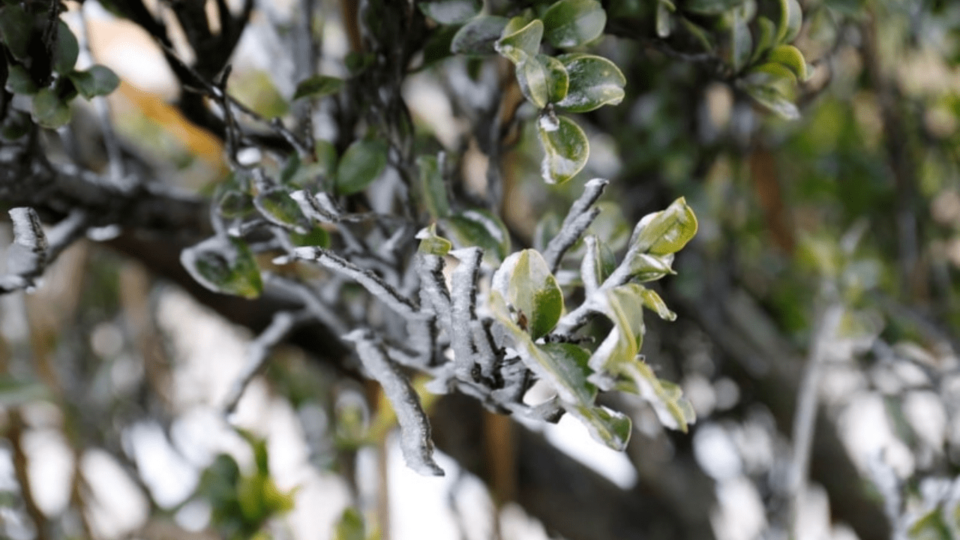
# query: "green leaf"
[653,302]
[609,427]
[48,110]
[565,148]
[317,236]
[518,45]
[477,37]
[20,82]
[792,58]
[224,265]
[709,7]
[482,229]
[16,25]
[431,243]
[350,526]
[558,81]
[594,82]
[673,410]
[774,100]
[741,41]
[532,76]
[624,306]
[645,267]
[360,165]
[562,369]
[67,51]
[450,11]
[791,19]
[667,231]
[279,208]
[571,23]
[769,74]
[526,283]
[768,36]
[432,187]
[318,86]
[96,81]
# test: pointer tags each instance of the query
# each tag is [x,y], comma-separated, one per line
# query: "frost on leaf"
[224,265]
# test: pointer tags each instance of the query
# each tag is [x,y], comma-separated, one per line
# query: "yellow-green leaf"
[791,19]
[667,231]
[527,284]
[224,265]
[791,57]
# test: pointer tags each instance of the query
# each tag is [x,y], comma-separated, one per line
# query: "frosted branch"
[311,300]
[32,250]
[415,441]
[464,295]
[370,281]
[259,350]
[433,287]
[578,219]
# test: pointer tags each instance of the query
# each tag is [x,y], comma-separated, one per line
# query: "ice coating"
[415,442]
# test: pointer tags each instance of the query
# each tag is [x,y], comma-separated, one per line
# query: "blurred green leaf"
[15,392]
[594,82]
[571,23]
[774,100]
[767,37]
[350,526]
[95,81]
[653,302]
[224,265]
[432,186]
[20,82]
[709,7]
[477,37]
[360,165]
[49,110]
[664,8]
[279,208]
[318,86]
[792,58]
[317,236]
[741,41]
[791,19]
[67,51]
[16,25]
[565,148]
[450,11]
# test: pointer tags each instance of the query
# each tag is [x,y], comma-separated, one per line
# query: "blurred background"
[817,307]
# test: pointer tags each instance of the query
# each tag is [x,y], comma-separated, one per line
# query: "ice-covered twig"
[311,300]
[259,350]
[433,287]
[415,441]
[580,216]
[370,281]
[805,416]
[464,297]
[32,250]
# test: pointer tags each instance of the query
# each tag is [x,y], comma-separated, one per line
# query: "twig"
[464,298]
[805,416]
[259,350]
[32,251]
[580,216]
[415,441]
[370,281]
